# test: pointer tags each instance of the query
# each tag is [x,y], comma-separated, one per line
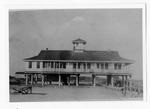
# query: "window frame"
[38,65]
[30,64]
[106,66]
[74,65]
[88,65]
[98,65]
[102,66]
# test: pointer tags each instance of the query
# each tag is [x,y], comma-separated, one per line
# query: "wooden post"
[112,81]
[36,78]
[45,79]
[76,66]
[130,85]
[42,79]
[77,80]
[124,85]
[108,80]
[54,66]
[50,65]
[126,78]
[59,80]
[26,79]
[86,66]
[69,80]
[93,80]
[123,82]
[31,79]
[58,66]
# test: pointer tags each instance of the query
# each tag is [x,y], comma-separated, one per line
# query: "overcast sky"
[115,29]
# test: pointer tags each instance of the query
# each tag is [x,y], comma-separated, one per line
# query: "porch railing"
[87,70]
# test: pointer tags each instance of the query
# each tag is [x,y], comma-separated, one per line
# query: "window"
[57,64]
[61,65]
[44,64]
[106,65]
[48,64]
[38,65]
[97,65]
[115,66]
[84,66]
[30,64]
[64,65]
[74,65]
[119,66]
[52,64]
[102,65]
[78,65]
[88,66]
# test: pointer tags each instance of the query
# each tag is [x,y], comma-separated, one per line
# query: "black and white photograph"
[75,54]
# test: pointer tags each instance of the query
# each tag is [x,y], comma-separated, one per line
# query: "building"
[59,65]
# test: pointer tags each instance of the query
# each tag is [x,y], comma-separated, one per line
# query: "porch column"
[59,80]
[50,65]
[26,79]
[112,81]
[54,66]
[93,80]
[42,79]
[108,80]
[45,79]
[126,79]
[122,71]
[124,88]
[76,66]
[130,84]
[69,80]
[59,66]
[77,80]
[86,65]
[36,78]
[123,82]
[31,79]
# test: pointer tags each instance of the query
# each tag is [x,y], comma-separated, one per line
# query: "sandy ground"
[70,93]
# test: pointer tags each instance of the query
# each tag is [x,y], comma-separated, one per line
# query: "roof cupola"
[79,45]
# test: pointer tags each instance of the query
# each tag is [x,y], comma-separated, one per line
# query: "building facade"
[59,65]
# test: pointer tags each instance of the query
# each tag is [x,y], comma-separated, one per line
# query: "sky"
[31,31]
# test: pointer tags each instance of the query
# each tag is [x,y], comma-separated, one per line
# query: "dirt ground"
[70,93]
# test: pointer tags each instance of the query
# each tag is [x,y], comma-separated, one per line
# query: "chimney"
[46,48]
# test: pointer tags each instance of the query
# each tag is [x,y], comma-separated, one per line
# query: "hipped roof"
[79,56]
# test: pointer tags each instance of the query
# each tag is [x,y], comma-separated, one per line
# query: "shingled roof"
[79,56]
